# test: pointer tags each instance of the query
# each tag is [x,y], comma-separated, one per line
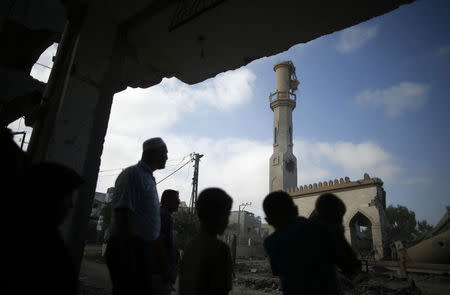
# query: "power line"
[106,170]
[179,160]
[113,174]
[174,172]
[109,175]
[170,165]
[43,65]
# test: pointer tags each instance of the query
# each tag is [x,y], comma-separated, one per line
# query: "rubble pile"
[253,266]
[372,284]
[87,289]
[265,284]
[256,275]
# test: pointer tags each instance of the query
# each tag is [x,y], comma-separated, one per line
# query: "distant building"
[97,206]
[265,230]
[97,222]
[247,224]
[246,228]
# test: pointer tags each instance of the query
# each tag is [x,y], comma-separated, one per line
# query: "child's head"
[54,184]
[213,209]
[279,209]
[330,208]
[170,200]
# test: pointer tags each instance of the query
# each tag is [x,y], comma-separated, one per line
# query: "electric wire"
[107,170]
[180,160]
[42,65]
[174,172]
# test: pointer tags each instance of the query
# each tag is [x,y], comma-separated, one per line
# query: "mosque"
[365,220]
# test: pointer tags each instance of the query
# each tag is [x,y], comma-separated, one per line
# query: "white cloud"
[356,37]
[323,161]
[241,166]
[19,126]
[40,70]
[396,99]
[157,108]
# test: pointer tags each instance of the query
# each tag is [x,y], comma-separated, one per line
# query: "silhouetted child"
[170,200]
[14,161]
[46,258]
[301,252]
[331,210]
[15,218]
[206,267]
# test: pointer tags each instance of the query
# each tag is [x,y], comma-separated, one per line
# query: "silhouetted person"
[14,160]
[14,164]
[301,252]
[134,245]
[331,210]
[233,252]
[51,267]
[206,266]
[170,200]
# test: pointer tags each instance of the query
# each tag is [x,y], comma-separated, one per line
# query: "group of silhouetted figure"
[310,256]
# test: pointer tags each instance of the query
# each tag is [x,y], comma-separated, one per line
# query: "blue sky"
[372,98]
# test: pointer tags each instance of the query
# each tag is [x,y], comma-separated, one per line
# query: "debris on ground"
[256,275]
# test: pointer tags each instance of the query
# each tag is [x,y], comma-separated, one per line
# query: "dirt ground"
[253,277]
[94,276]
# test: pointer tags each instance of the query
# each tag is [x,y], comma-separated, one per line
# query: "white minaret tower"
[283,164]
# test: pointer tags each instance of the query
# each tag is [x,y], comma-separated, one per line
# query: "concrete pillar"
[77,142]
[53,94]
[74,127]
[347,234]
[377,240]
[283,163]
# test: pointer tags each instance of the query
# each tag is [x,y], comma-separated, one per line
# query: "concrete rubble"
[254,277]
[376,281]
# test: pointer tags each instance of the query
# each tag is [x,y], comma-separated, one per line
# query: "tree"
[367,232]
[423,227]
[402,223]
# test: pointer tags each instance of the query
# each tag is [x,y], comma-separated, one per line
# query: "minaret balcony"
[282,98]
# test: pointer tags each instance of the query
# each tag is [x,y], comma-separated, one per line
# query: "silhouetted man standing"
[134,245]
[170,200]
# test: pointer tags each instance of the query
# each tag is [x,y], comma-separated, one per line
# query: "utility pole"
[196,159]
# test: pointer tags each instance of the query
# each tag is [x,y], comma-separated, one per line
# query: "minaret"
[283,164]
